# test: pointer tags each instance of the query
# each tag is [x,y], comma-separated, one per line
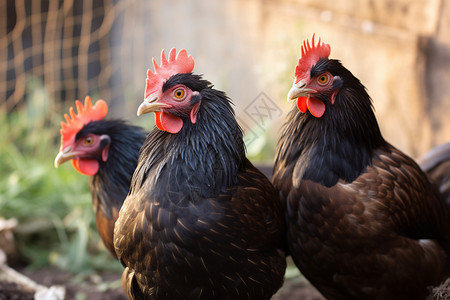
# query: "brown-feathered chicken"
[363,220]
[105,150]
[200,221]
[436,163]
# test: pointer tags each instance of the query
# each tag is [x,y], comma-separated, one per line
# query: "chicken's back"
[381,236]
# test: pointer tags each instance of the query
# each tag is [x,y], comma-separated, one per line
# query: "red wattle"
[158,120]
[171,123]
[301,104]
[316,107]
[86,166]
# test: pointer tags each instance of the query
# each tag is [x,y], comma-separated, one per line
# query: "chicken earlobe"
[194,112]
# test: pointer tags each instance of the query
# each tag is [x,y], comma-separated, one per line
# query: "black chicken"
[363,220]
[200,221]
[106,150]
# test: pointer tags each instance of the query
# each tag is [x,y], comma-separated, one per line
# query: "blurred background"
[55,51]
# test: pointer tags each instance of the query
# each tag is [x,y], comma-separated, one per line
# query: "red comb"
[181,63]
[310,55]
[85,115]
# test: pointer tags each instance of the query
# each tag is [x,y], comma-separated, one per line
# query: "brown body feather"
[105,225]
[374,238]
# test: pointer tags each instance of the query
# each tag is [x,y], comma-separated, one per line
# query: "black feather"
[348,131]
[363,221]
[205,159]
[109,187]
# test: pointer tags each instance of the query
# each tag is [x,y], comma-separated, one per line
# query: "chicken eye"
[88,141]
[323,79]
[179,94]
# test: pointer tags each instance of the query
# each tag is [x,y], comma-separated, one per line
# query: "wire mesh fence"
[72,47]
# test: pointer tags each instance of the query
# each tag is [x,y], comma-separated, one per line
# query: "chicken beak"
[65,155]
[297,90]
[150,104]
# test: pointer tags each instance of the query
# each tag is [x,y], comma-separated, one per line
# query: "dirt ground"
[107,287]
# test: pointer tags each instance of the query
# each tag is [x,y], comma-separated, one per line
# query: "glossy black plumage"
[200,221]
[109,187]
[363,220]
